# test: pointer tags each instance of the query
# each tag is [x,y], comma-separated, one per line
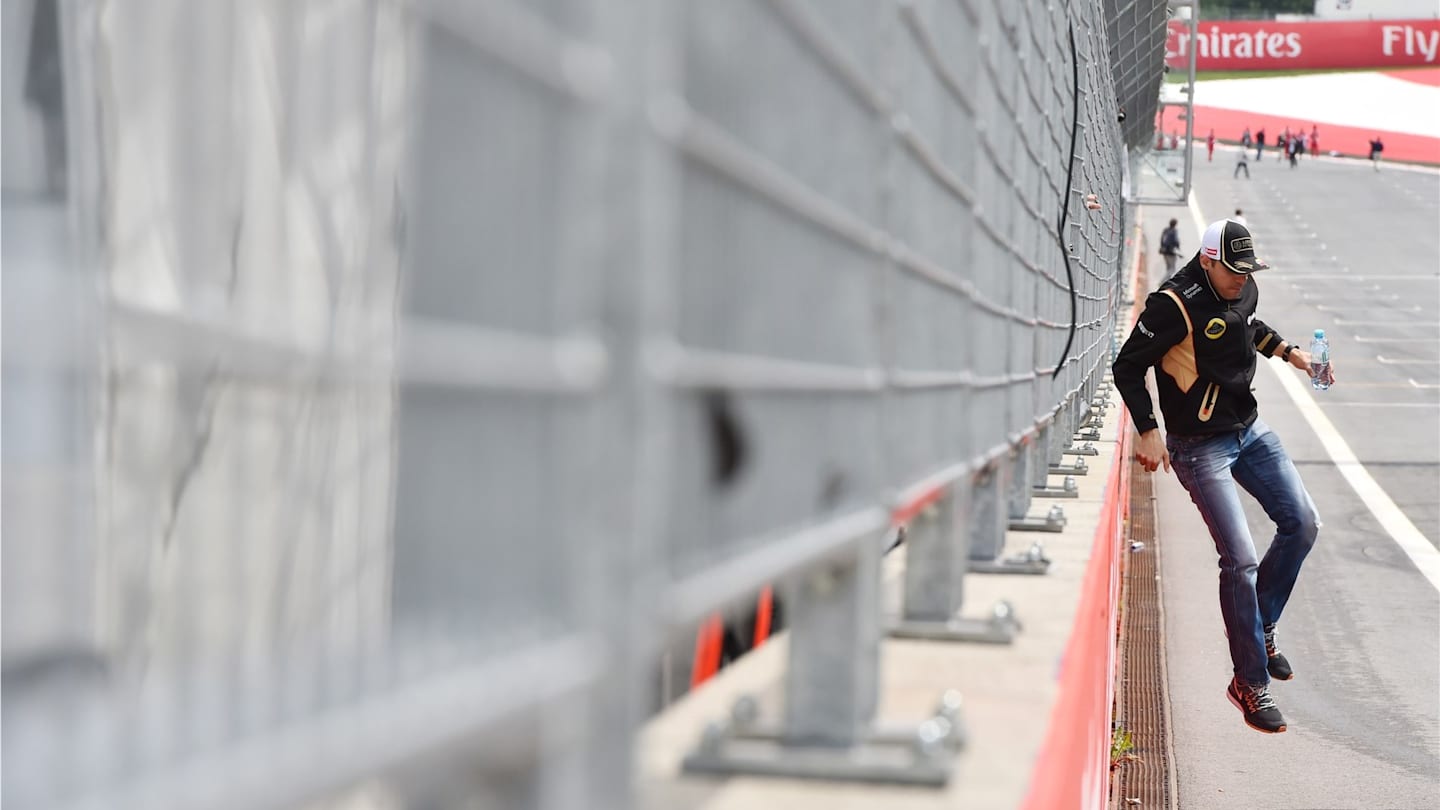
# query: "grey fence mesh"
[385,380]
[1137,30]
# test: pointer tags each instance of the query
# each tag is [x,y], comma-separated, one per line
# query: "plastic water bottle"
[1320,361]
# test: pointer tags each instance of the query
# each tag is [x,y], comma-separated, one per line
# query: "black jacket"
[1204,380]
[1170,241]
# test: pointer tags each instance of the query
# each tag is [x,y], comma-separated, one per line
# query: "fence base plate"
[884,758]
[1053,492]
[1013,565]
[981,631]
[1035,524]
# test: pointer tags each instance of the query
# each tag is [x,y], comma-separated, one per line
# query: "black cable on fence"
[1065,200]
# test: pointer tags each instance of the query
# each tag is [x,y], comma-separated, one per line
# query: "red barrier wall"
[1305,45]
[1072,770]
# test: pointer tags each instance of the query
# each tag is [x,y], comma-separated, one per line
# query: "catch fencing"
[387,383]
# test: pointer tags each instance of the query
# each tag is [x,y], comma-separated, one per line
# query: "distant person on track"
[1242,163]
[1170,246]
[1246,141]
[1259,144]
[1200,333]
[1240,217]
[1376,147]
[1314,144]
[1210,147]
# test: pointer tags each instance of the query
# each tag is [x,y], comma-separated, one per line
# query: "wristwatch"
[1285,355]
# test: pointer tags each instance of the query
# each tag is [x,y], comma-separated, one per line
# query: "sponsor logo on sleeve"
[1146,332]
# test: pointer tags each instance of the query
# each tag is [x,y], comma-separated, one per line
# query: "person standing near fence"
[1210,147]
[1259,143]
[1242,163]
[1170,246]
[1200,333]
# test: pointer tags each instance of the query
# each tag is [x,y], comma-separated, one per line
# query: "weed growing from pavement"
[1122,743]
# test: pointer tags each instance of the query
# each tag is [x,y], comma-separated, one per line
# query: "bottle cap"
[1320,334]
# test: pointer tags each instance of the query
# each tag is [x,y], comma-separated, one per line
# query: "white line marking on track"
[1390,297]
[1352,277]
[1414,384]
[1431,405]
[1343,322]
[1364,339]
[1392,520]
[1389,361]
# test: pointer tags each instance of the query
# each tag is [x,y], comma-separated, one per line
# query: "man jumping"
[1200,333]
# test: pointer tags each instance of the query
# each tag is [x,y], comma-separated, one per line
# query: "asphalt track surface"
[1357,253]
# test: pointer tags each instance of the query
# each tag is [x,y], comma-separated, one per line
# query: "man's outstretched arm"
[1160,327]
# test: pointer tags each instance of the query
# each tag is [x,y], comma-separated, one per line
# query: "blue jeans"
[1252,593]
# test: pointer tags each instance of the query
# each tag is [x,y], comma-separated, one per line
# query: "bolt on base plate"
[1032,561]
[1069,490]
[1054,522]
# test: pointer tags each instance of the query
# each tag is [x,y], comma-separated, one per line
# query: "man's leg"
[1202,466]
[1266,471]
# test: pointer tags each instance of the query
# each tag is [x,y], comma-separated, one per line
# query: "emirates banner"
[1304,45]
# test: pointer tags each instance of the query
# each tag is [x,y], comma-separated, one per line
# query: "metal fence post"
[937,547]
[831,688]
[1045,444]
[993,508]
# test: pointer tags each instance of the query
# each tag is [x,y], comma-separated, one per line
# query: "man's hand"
[1301,359]
[1150,450]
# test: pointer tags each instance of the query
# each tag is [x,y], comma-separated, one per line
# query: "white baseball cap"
[1229,242]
